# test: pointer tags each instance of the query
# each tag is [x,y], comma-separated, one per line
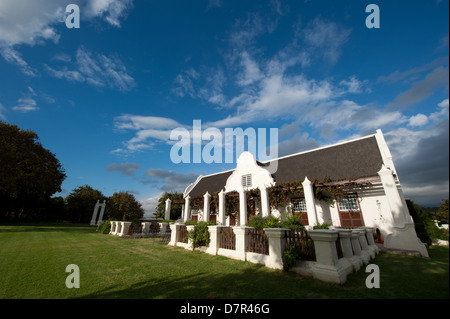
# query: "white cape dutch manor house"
[349,184]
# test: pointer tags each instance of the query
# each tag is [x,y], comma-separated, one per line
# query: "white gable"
[247,166]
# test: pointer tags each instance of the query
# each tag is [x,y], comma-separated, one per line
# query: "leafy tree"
[175,208]
[442,213]
[124,206]
[81,202]
[29,174]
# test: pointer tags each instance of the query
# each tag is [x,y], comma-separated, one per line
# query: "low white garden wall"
[357,247]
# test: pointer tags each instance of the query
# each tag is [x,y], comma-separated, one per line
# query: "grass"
[33,259]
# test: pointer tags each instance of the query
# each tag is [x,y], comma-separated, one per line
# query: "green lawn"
[33,259]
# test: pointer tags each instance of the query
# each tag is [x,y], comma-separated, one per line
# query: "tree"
[124,206]
[81,202]
[175,208]
[442,213]
[29,174]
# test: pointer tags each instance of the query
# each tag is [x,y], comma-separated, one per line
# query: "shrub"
[292,222]
[289,258]
[260,222]
[322,226]
[199,235]
[105,227]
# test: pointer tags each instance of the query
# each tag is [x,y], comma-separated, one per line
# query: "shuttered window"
[247,180]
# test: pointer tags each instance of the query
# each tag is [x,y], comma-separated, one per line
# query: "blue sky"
[105,97]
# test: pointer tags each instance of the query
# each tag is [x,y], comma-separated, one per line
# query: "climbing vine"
[279,194]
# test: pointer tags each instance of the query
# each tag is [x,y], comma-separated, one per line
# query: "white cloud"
[325,39]
[25,105]
[96,69]
[28,22]
[148,129]
[444,104]
[14,57]
[251,72]
[418,120]
[35,22]
[353,84]
[113,11]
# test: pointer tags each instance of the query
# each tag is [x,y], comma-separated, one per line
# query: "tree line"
[30,175]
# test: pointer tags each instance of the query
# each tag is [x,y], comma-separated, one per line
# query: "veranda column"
[242,207]
[206,207]
[222,216]
[187,208]
[265,209]
[168,206]
[309,199]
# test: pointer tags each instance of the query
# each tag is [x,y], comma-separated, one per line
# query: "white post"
[310,202]
[113,228]
[356,245]
[242,207]
[187,208]
[327,267]
[265,209]
[102,211]
[94,213]
[174,230]
[276,247]
[124,229]
[222,216]
[241,233]
[214,239]
[345,236]
[167,212]
[206,207]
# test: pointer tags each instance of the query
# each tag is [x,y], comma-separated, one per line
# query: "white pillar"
[206,207]
[242,207]
[310,202]
[265,208]
[276,247]
[222,216]
[187,208]
[94,213]
[102,211]
[327,267]
[113,228]
[167,211]
[124,229]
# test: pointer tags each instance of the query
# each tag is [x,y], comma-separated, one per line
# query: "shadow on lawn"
[235,285]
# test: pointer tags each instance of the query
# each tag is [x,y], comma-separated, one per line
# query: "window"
[348,203]
[247,180]
[298,205]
